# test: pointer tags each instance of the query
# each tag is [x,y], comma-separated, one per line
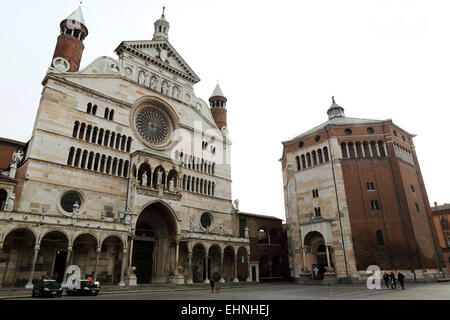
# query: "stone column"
[206,267]
[304,257]
[355,150]
[328,257]
[222,279]
[177,253]
[301,164]
[378,149]
[362,150]
[122,270]
[270,268]
[190,281]
[385,149]
[130,256]
[99,250]
[235,268]
[257,272]
[249,268]
[69,254]
[370,150]
[29,285]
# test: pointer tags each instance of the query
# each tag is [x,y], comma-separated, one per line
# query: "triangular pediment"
[161,54]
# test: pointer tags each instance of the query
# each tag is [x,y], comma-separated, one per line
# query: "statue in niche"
[141,78]
[165,88]
[76,209]
[127,216]
[246,232]
[44,209]
[153,83]
[159,178]
[192,224]
[171,185]
[222,231]
[9,205]
[144,179]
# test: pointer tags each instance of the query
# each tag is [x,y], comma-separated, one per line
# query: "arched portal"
[228,264]
[154,252]
[53,255]
[16,258]
[198,263]
[84,254]
[319,259]
[214,263]
[111,250]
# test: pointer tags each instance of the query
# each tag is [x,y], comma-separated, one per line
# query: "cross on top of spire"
[163,13]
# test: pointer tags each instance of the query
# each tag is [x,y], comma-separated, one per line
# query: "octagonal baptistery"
[124,148]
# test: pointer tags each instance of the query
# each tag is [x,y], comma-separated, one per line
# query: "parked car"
[47,288]
[83,288]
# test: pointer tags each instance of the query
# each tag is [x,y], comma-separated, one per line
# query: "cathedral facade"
[126,167]
[354,199]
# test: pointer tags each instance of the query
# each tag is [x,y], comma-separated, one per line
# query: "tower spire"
[335,110]
[162,27]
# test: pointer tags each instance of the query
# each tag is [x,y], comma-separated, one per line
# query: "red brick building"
[441,218]
[268,246]
[355,197]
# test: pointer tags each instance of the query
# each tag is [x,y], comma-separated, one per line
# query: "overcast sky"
[278,63]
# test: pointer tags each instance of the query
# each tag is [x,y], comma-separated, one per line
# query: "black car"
[47,288]
[83,288]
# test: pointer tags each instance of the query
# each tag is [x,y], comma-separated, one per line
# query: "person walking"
[211,283]
[386,279]
[393,280]
[401,279]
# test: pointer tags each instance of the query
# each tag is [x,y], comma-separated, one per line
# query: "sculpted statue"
[246,232]
[141,78]
[159,179]
[9,205]
[222,231]
[144,179]
[17,157]
[171,185]
[236,204]
[132,272]
[127,216]
[153,83]
[76,209]
[178,272]
[165,88]
[192,224]
[44,209]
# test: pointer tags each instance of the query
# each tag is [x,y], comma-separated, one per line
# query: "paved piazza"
[285,291]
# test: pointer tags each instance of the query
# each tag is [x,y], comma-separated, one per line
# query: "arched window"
[319,155]
[81,133]
[119,170]
[344,150]
[213,184]
[96,162]
[263,236]
[303,161]
[3,197]
[70,158]
[94,109]
[111,115]
[88,133]
[122,145]
[308,159]
[89,108]
[118,140]
[77,158]
[444,224]
[325,154]
[297,161]
[100,137]
[213,168]
[129,144]
[114,166]
[102,163]
[108,165]
[90,161]
[84,159]
[105,142]
[183,186]
[106,113]
[75,129]
[125,169]
[94,135]
[314,158]
[380,240]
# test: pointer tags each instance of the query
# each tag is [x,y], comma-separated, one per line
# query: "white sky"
[278,62]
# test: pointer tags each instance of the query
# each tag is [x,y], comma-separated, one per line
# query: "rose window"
[153,125]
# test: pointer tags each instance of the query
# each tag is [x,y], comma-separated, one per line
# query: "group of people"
[391,281]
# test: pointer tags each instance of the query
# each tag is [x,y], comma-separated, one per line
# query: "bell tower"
[218,103]
[69,47]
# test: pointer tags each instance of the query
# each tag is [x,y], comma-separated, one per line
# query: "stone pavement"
[280,291]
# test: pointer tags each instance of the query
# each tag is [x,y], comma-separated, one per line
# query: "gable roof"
[138,48]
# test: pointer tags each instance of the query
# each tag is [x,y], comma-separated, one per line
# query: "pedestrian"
[211,283]
[386,279]
[401,278]
[393,280]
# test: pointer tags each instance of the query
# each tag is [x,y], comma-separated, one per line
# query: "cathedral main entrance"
[153,254]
